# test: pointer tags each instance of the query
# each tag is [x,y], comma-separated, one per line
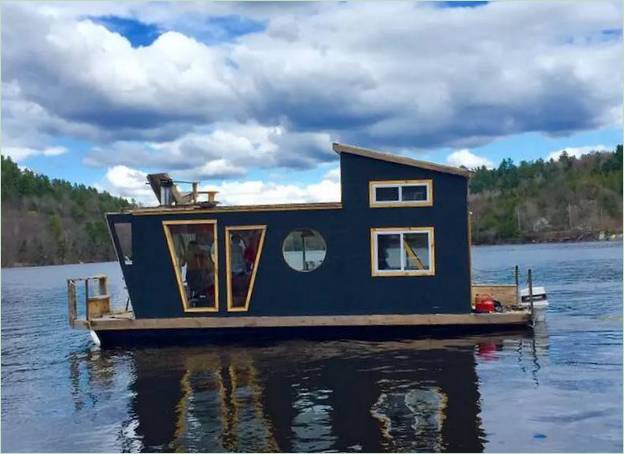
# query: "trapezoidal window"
[123,231]
[193,249]
[400,193]
[243,248]
[402,251]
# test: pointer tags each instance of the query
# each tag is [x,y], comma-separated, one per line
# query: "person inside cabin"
[199,272]
[237,246]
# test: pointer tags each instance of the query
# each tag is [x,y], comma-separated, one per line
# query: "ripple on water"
[557,390]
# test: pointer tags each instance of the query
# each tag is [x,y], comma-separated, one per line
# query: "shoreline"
[595,239]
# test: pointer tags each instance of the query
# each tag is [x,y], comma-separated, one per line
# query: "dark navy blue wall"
[343,283]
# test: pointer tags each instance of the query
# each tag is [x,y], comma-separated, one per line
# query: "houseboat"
[393,256]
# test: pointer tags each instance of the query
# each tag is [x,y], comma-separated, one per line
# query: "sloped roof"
[373,154]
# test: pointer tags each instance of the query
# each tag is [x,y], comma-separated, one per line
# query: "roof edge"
[382,156]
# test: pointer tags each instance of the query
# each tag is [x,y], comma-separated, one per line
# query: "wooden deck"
[124,321]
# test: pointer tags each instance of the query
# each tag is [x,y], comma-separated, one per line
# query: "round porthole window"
[304,250]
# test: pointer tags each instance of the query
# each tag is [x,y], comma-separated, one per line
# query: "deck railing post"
[517,274]
[71,301]
[531,298]
[87,298]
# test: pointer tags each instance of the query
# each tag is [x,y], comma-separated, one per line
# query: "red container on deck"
[484,304]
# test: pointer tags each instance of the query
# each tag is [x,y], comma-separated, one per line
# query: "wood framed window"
[194,255]
[243,248]
[400,193]
[402,251]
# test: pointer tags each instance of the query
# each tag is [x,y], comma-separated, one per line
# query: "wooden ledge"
[504,318]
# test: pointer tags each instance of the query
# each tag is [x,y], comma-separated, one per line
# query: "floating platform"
[122,328]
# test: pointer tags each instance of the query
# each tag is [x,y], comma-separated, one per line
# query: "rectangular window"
[401,193]
[243,248]
[402,251]
[193,250]
[123,230]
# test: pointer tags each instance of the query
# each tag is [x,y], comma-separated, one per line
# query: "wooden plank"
[505,318]
[374,154]
[195,209]
[71,302]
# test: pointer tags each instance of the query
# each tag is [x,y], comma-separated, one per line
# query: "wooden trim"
[114,239]
[176,267]
[470,253]
[399,230]
[373,203]
[194,209]
[502,318]
[374,154]
[228,272]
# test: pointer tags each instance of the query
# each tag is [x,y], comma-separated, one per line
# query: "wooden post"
[531,298]
[71,301]
[87,298]
[517,273]
[195,183]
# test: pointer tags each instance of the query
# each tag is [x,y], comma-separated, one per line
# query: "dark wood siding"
[343,284]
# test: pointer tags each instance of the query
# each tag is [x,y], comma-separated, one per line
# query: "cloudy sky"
[248,97]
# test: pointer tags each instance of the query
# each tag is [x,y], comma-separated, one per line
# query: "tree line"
[52,221]
[548,200]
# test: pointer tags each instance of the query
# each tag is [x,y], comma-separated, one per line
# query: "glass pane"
[415,192]
[390,194]
[416,246]
[196,257]
[243,255]
[389,251]
[124,236]
[304,249]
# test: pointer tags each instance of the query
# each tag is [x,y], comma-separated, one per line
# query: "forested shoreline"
[565,200]
[51,221]
[47,222]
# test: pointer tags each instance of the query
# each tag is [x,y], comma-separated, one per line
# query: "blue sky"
[248,97]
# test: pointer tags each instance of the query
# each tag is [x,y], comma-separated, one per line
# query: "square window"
[402,251]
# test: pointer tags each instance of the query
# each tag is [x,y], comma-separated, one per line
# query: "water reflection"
[408,395]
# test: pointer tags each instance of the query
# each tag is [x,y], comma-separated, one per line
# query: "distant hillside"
[53,221]
[568,199]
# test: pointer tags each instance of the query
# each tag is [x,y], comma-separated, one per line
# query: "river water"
[559,389]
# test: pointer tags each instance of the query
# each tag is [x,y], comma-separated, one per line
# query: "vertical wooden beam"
[531,298]
[87,298]
[71,301]
[517,276]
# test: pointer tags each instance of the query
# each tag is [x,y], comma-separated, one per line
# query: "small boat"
[540,302]
[392,256]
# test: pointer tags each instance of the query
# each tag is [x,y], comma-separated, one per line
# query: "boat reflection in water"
[402,395]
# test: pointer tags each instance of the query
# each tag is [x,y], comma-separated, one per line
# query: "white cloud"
[126,182]
[331,68]
[227,151]
[130,183]
[577,152]
[468,159]
[19,154]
